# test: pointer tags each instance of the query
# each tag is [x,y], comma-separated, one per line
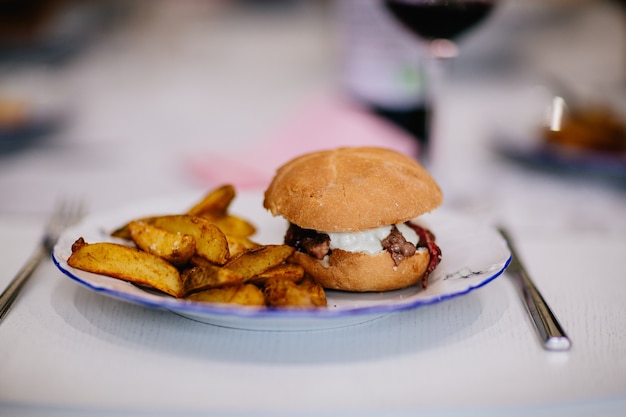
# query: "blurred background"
[120,99]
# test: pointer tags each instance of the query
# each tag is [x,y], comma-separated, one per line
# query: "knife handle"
[551,333]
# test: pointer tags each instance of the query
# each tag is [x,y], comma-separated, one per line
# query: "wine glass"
[438,24]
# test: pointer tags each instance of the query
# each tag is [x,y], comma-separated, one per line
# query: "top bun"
[351,189]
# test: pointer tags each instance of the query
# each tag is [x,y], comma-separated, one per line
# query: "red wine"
[415,121]
[439,20]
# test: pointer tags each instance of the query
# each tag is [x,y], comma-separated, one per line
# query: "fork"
[65,214]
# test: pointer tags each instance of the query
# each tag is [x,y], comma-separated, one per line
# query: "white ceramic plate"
[473,255]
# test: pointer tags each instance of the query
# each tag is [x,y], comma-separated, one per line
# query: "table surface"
[174,81]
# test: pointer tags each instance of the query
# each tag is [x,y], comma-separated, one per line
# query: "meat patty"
[317,245]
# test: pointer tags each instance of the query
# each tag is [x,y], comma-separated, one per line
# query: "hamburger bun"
[352,190]
[362,272]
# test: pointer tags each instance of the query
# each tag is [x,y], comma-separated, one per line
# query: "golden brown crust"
[361,272]
[351,189]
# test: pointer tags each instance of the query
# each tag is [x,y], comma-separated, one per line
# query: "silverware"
[550,332]
[64,215]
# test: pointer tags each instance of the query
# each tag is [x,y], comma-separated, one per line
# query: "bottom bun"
[360,272]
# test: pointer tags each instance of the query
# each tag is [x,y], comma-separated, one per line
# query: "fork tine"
[66,213]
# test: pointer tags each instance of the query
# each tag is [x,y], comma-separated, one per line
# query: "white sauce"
[369,241]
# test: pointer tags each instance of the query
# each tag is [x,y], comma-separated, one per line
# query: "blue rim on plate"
[473,255]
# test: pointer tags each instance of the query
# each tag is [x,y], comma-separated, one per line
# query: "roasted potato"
[127,263]
[290,272]
[176,248]
[212,207]
[238,245]
[232,225]
[256,261]
[211,242]
[215,203]
[197,260]
[284,293]
[123,232]
[245,294]
[315,291]
[229,224]
[204,255]
[199,278]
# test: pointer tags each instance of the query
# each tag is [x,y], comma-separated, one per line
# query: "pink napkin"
[325,123]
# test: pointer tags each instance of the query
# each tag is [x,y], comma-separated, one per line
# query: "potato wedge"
[256,261]
[213,207]
[290,272]
[176,248]
[199,278]
[197,260]
[211,243]
[123,232]
[126,263]
[246,294]
[232,225]
[284,293]
[215,203]
[229,224]
[314,289]
[238,245]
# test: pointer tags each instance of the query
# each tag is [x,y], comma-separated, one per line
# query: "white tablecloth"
[66,350]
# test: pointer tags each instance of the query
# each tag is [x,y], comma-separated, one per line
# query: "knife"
[549,329]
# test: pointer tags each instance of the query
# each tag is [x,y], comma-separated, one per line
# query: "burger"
[351,214]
